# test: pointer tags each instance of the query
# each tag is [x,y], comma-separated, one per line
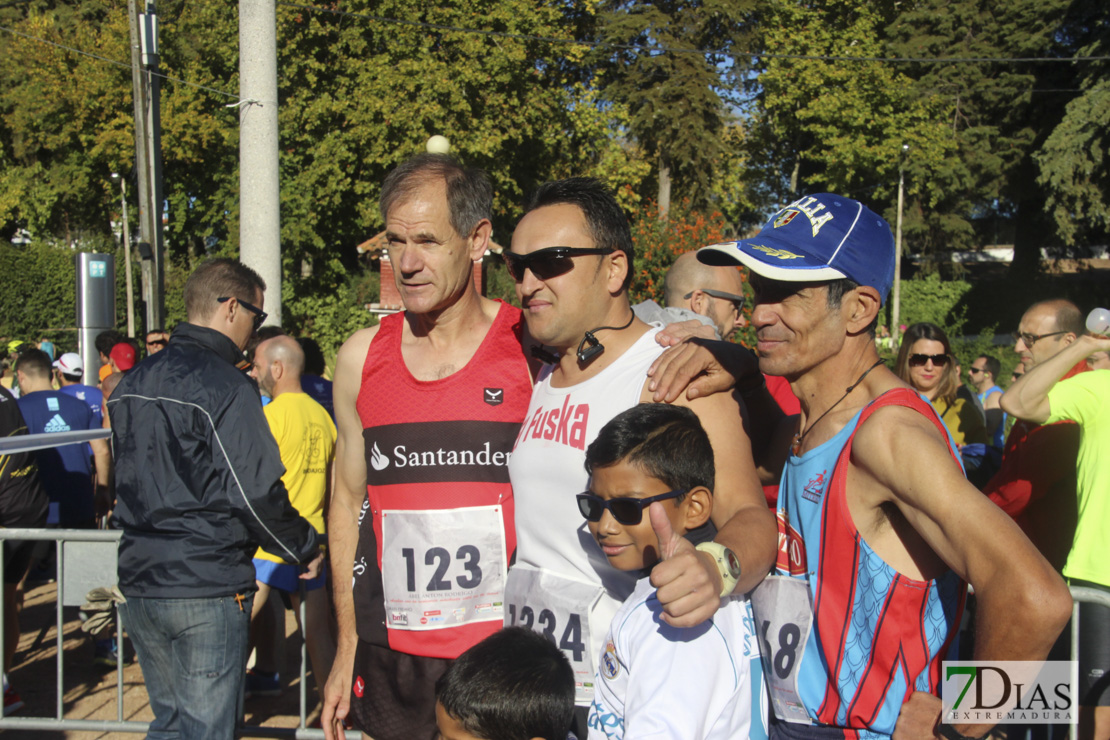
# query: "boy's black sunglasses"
[625,510]
[548,262]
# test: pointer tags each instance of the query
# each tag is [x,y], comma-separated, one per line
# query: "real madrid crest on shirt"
[610,665]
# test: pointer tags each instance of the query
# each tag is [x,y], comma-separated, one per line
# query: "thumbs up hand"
[687,582]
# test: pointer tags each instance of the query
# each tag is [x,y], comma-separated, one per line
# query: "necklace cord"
[802,435]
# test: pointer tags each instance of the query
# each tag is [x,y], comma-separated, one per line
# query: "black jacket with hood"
[198,474]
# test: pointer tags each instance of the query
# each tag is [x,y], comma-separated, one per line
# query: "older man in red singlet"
[427,404]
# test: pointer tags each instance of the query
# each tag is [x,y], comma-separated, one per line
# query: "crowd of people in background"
[623,479]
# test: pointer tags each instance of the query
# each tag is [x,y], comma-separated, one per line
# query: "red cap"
[123,354]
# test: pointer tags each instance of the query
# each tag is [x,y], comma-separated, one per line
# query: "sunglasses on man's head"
[548,262]
[628,511]
[259,314]
[920,360]
[737,301]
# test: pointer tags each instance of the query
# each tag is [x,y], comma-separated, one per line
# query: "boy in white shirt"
[655,680]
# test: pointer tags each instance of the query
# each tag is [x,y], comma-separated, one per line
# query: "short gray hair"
[469,192]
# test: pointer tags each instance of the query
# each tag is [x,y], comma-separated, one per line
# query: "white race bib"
[443,568]
[784,618]
[559,608]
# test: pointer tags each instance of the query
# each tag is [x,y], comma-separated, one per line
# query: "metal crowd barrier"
[94,559]
[1090,596]
[92,554]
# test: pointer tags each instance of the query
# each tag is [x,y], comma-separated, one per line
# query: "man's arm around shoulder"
[899,457]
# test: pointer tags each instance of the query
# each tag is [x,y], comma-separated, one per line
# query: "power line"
[551,39]
[597,44]
[115,62]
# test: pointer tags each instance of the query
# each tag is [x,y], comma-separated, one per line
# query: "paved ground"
[90,690]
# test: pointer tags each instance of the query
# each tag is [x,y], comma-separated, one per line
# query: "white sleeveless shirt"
[562,584]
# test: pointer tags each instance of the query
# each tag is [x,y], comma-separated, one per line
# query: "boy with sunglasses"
[651,484]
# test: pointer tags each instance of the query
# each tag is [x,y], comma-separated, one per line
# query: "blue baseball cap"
[817,237]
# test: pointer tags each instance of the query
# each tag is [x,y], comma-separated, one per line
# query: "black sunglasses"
[548,262]
[259,314]
[156,343]
[1031,339]
[737,301]
[920,360]
[625,510]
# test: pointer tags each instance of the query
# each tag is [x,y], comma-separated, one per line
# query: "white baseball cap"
[70,364]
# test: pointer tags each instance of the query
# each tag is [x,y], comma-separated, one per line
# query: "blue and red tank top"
[437,456]
[877,635]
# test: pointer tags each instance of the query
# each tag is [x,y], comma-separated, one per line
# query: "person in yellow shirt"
[306,436]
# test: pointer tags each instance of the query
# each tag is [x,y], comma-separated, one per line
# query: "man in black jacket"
[198,486]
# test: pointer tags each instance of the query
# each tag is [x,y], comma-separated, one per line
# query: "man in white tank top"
[576,305]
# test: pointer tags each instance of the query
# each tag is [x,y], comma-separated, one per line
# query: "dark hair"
[105,340]
[666,442]
[607,223]
[313,356]
[513,685]
[34,362]
[218,278]
[469,192]
[949,382]
[992,366]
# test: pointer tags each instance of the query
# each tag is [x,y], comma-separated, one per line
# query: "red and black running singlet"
[429,571]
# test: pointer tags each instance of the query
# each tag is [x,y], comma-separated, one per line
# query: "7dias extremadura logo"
[1008,692]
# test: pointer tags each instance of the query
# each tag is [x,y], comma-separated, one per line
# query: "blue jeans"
[193,653]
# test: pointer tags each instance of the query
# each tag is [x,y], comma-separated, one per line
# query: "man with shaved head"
[305,436]
[707,290]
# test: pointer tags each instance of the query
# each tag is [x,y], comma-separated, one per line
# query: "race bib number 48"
[443,568]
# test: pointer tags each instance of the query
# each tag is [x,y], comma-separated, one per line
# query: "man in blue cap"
[878,529]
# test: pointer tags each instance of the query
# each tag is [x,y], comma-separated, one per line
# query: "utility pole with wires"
[146,87]
[259,188]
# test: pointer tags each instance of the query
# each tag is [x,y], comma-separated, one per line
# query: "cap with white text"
[815,238]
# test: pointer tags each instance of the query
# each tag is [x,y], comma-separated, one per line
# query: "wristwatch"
[727,563]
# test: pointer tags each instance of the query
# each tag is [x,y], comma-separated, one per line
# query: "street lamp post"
[897,292]
[126,255]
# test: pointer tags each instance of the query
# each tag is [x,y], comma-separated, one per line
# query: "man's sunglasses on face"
[1031,339]
[259,314]
[548,262]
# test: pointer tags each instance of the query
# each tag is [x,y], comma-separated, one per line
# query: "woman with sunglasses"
[926,362]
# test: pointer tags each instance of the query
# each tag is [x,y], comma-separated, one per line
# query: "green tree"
[838,124]
[674,99]
[1074,162]
[998,113]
